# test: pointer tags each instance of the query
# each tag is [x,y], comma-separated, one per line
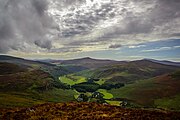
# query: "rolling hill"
[137,76]
[23,62]
[54,70]
[160,92]
[129,72]
[26,82]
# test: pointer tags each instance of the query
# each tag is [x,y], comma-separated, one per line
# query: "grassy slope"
[162,91]
[14,99]
[169,102]
[24,87]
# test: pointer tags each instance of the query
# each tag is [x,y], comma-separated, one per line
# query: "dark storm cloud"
[22,22]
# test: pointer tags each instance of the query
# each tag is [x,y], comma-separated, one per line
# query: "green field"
[100,82]
[106,94]
[72,80]
[117,103]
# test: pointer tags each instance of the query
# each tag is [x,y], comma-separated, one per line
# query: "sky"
[106,29]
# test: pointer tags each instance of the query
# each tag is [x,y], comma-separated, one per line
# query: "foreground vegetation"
[81,111]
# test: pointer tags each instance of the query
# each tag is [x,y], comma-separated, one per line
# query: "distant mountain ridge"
[22,61]
[165,62]
[101,62]
[83,60]
[88,62]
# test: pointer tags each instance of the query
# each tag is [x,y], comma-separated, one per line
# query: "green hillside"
[159,92]
[138,78]
[128,72]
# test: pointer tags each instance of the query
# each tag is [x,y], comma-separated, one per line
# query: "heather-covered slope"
[85,111]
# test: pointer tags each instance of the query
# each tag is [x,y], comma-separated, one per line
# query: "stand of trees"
[92,87]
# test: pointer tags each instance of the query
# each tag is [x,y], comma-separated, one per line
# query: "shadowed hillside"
[8,68]
[54,70]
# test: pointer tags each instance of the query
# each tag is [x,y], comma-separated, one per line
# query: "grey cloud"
[72,2]
[29,24]
[43,44]
[23,22]
[175,34]
[3,48]
[6,29]
[40,6]
[115,46]
[134,25]
[64,50]
[83,43]
[78,23]
[146,22]
[164,11]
